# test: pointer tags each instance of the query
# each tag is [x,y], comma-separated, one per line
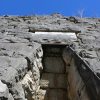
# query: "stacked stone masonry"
[21,54]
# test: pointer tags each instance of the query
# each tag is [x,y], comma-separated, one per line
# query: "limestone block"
[4,92]
[49,80]
[55,94]
[54,65]
[67,56]
[55,36]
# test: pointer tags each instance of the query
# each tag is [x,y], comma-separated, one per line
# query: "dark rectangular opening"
[60,79]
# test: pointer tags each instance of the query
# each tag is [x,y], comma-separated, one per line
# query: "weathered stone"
[29,86]
[41,94]
[54,65]
[19,52]
[49,80]
[4,92]
[95,65]
[77,89]
[18,92]
[55,94]
[10,97]
[88,54]
[12,69]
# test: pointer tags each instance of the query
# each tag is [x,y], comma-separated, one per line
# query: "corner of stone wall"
[31,80]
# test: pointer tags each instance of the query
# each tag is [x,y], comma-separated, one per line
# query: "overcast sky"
[44,7]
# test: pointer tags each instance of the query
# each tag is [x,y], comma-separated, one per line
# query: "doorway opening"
[60,79]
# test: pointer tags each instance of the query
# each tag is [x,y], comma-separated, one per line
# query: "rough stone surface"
[4,92]
[49,80]
[21,53]
[12,69]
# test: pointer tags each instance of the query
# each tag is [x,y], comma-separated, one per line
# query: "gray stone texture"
[54,65]
[20,52]
[50,80]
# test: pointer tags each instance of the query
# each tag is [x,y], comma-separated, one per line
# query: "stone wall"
[16,29]
[75,85]
[20,65]
[20,54]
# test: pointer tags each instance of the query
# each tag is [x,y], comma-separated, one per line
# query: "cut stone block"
[52,94]
[54,65]
[56,94]
[49,80]
[53,37]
